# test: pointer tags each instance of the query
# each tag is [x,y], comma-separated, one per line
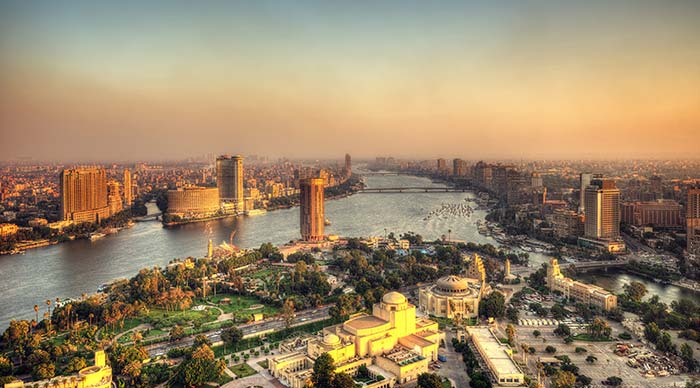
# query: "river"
[76,267]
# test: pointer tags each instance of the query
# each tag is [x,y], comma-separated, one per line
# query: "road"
[302,317]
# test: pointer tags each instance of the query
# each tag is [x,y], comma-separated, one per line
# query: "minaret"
[507,269]
[210,249]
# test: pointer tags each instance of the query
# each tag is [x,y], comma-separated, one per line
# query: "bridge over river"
[427,189]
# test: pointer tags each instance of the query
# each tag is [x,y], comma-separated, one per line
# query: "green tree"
[550,349]
[200,367]
[232,335]
[686,354]
[652,332]
[635,291]
[44,371]
[493,306]
[75,364]
[563,330]
[614,381]
[288,313]
[322,376]
[6,366]
[429,380]
[177,333]
[343,380]
[564,379]
[536,333]
[599,328]
[591,359]
[665,343]
[510,330]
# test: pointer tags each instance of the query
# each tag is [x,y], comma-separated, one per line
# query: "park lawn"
[263,363]
[224,379]
[243,370]
[446,383]
[240,305]
[265,274]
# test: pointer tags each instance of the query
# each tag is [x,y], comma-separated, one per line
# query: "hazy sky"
[126,80]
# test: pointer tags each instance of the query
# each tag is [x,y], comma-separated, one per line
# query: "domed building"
[392,343]
[454,296]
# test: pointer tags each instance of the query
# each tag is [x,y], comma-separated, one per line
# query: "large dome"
[394,298]
[331,339]
[453,283]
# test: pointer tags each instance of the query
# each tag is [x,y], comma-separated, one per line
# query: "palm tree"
[36,311]
[449,234]
[48,306]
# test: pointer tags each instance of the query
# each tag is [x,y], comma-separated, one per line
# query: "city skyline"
[477,80]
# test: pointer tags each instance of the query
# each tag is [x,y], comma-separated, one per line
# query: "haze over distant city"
[164,80]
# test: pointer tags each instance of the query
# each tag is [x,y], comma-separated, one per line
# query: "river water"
[76,267]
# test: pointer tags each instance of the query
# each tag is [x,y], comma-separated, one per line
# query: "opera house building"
[454,296]
[392,343]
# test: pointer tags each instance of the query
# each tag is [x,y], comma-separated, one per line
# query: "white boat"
[96,236]
[255,212]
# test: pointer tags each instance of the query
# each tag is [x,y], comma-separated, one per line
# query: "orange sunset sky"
[507,79]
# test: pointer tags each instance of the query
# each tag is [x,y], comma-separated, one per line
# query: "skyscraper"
[441,165]
[127,187]
[311,210]
[229,179]
[584,180]
[459,167]
[602,209]
[692,219]
[84,195]
[348,165]
[114,198]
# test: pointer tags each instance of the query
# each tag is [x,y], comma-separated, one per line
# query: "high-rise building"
[441,165]
[84,195]
[459,167]
[348,165]
[692,218]
[584,180]
[229,179]
[127,187]
[311,210]
[602,209]
[114,197]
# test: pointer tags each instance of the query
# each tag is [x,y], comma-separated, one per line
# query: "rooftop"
[494,350]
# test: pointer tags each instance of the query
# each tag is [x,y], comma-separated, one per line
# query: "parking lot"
[607,364]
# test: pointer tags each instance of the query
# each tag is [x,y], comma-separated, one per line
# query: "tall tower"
[127,187]
[602,209]
[692,218]
[229,179]
[584,180]
[311,210]
[348,165]
[210,249]
[84,195]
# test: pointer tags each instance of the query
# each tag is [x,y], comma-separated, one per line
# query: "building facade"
[662,213]
[602,210]
[128,200]
[114,198]
[589,294]
[392,343]
[348,165]
[451,297]
[497,356]
[193,201]
[312,216]
[84,195]
[692,219]
[229,180]
[459,167]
